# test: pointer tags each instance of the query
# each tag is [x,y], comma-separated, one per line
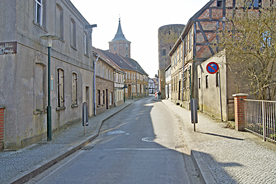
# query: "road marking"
[134,149]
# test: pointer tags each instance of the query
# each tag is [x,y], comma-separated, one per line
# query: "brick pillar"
[239,110]
[2,108]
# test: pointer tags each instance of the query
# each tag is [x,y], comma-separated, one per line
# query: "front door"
[129,91]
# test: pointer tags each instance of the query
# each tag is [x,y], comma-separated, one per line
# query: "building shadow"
[227,137]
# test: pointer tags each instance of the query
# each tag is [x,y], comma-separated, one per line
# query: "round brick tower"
[167,36]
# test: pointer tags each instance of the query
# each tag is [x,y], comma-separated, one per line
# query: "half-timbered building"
[198,42]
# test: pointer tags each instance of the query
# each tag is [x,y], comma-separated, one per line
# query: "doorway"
[87,99]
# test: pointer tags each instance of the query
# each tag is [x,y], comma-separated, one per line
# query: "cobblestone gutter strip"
[206,175]
[204,171]
[27,175]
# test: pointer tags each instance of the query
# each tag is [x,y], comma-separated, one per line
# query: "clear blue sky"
[140,21]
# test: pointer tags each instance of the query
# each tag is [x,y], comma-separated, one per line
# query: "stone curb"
[26,176]
[206,175]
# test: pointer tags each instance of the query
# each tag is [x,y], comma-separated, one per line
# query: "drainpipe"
[94,83]
[183,69]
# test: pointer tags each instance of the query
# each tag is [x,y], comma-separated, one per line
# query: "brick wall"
[239,110]
[1,127]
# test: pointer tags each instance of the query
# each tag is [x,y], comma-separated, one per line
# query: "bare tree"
[249,40]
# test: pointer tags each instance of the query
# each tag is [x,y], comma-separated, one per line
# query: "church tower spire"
[120,45]
[119,35]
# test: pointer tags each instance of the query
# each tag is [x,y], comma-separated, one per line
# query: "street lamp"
[49,116]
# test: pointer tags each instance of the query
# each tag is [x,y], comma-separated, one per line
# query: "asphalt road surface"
[142,144]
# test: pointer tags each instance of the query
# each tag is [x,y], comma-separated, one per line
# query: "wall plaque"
[8,48]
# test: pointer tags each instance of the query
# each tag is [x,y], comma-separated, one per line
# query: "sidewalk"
[22,165]
[224,155]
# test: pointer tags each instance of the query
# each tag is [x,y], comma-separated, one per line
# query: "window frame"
[40,11]
[74,88]
[73,39]
[85,44]
[60,88]
[60,33]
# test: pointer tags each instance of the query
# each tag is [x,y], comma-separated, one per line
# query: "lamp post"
[49,115]
[94,66]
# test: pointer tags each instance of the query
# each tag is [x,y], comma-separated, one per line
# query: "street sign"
[212,67]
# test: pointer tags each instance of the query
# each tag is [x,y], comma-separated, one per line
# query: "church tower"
[120,45]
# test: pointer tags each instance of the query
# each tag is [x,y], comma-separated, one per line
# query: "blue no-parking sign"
[212,67]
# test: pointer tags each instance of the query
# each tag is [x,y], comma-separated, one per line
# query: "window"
[60,89]
[110,98]
[59,21]
[98,68]
[186,50]
[207,82]
[85,45]
[219,3]
[115,46]
[190,40]
[73,33]
[126,46]
[40,87]
[266,42]
[199,82]
[102,74]
[164,52]
[179,52]
[103,97]
[38,12]
[217,79]
[99,97]
[255,3]
[74,89]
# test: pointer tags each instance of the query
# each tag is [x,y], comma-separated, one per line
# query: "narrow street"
[141,144]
